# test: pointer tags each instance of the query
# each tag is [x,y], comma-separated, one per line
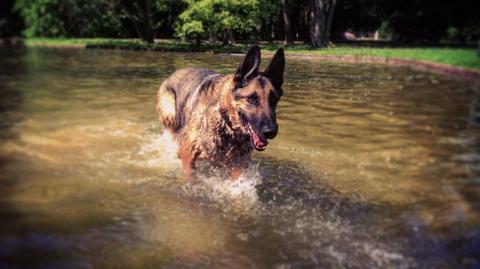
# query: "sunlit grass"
[452,56]
[462,57]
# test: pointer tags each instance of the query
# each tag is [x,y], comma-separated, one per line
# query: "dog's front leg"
[238,167]
[188,162]
[235,172]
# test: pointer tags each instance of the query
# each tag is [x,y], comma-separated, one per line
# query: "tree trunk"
[328,27]
[148,36]
[264,31]
[140,14]
[225,37]
[287,25]
[316,23]
[271,28]
[212,38]
[228,39]
[198,40]
[149,33]
[303,29]
[231,37]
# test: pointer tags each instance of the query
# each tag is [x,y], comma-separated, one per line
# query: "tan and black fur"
[222,118]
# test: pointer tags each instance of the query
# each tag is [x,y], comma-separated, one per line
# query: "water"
[373,167]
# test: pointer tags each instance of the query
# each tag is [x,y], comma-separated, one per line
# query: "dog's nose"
[269,131]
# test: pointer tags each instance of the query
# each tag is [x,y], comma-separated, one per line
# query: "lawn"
[461,57]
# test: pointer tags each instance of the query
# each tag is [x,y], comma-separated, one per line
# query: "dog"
[222,118]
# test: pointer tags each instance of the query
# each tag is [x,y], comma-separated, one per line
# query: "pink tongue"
[257,141]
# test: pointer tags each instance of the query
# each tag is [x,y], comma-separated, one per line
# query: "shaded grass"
[461,57]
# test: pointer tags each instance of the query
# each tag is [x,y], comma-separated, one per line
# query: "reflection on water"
[373,167]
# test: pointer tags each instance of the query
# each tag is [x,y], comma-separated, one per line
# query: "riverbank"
[463,62]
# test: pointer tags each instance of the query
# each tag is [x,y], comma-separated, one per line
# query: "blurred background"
[316,22]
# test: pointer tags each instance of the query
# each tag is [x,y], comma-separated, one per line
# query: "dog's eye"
[252,99]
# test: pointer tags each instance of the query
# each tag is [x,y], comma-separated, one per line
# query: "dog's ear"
[248,68]
[275,69]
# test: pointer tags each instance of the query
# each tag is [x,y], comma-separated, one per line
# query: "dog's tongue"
[257,141]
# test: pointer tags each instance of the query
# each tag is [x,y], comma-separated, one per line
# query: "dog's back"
[178,90]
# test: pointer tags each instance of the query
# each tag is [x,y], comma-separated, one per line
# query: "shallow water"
[373,167]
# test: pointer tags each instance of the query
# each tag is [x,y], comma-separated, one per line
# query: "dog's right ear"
[276,68]
[248,68]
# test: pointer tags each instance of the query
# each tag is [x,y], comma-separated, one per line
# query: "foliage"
[429,20]
[385,31]
[64,18]
[207,18]
[452,33]
[409,21]
[146,16]
[42,17]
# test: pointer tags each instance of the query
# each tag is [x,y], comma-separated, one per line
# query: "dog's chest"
[219,144]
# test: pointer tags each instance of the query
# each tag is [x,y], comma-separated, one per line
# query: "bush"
[385,31]
[207,18]
[69,18]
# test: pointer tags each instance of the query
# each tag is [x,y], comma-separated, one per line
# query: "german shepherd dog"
[222,118]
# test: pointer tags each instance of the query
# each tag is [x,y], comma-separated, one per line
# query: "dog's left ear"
[248,68]
[275,69]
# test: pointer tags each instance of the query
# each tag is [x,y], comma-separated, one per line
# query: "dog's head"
[252,102]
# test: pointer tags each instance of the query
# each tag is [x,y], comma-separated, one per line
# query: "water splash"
[160,151]
[219,188]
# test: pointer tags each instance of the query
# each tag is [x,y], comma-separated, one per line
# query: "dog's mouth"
[256,141]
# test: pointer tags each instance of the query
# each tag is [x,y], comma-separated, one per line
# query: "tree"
[44,18]
[93,18]
[67,18]
[144,15]
[321,15]
[410,21]
[204,18]
[429,20]
[268,28]
[288,27]
[328,27]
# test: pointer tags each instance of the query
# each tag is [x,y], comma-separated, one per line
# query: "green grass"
[461,57]
[39,41]
[467,58]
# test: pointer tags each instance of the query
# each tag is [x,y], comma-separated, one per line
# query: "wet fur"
[200,108]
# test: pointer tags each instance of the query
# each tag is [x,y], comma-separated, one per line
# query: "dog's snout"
[269,131]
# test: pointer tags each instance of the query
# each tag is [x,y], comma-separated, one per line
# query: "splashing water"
[160,151]
[240,193]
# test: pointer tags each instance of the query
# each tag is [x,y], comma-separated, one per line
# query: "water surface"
[373,167]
